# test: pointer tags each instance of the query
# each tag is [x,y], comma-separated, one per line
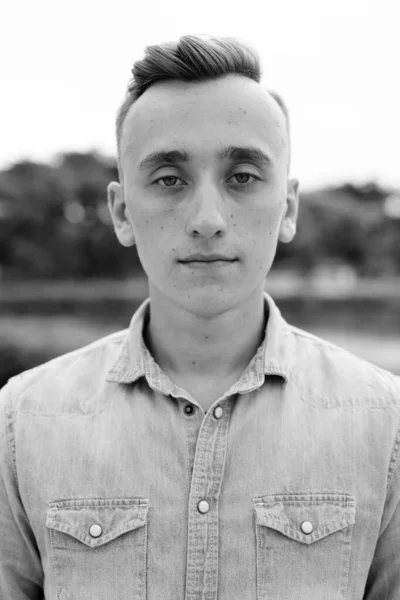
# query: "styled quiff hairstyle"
[193,58]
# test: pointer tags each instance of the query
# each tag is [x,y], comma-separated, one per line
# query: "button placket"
[218,412]
[207,475]
[203,506]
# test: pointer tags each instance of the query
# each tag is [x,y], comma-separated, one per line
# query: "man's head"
[203,154]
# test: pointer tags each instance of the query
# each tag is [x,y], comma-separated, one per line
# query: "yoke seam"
[394,459]
[11,443]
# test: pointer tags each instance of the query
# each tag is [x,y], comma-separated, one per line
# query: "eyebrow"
[234,153]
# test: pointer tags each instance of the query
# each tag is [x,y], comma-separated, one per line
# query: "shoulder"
[326,371]
[58,384]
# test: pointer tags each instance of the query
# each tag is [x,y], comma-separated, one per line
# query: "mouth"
[202,264]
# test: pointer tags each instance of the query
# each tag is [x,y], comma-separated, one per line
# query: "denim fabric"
[111,487]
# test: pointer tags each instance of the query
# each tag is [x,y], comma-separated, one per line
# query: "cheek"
[262,225]
[146,221]
[261,230]
[156,234]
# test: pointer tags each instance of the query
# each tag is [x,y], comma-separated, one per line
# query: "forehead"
[203,117]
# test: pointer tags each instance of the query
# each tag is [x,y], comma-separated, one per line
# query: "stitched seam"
[56,575]
[336,502]
[11,443]
[187,445]
[93,504]
[144,578]
[394,459]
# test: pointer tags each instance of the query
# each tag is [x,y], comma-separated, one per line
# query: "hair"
[193,58]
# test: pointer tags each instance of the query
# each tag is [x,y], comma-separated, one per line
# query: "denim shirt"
[115,484]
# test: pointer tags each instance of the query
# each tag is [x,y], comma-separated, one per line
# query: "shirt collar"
[275,355]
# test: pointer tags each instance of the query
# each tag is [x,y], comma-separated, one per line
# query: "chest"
[279,490]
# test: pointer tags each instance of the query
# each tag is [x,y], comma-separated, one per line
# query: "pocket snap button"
[95,530]
[189,409]
[306,527]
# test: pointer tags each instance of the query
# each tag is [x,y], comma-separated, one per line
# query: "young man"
[211,451]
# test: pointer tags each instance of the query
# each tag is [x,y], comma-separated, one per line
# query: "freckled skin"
[205,209]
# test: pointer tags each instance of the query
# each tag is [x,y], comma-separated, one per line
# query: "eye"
[244,174]
[169,180]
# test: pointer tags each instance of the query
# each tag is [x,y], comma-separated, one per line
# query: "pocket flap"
[111,516]
[287,513]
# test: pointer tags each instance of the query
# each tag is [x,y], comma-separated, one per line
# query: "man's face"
[229,203]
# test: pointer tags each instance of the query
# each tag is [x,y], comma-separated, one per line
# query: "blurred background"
[65,280]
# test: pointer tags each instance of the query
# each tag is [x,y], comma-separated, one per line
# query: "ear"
[119,214]
[287,229]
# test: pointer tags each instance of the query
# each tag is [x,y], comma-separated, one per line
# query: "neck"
[187,345]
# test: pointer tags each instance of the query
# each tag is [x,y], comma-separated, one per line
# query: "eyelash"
[234,175]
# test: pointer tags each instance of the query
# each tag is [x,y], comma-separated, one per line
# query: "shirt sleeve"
[383,582]
[21,573]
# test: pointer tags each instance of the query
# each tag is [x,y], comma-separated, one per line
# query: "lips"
[209,261]
[212,265]
[207,258]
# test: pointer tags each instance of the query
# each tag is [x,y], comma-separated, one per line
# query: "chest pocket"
[99,547]
[303,545]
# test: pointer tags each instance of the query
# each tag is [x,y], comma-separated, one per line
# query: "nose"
[207,210]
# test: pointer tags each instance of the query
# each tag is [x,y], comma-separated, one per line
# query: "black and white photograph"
[200,301]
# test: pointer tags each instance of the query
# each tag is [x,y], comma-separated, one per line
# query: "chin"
[209,302]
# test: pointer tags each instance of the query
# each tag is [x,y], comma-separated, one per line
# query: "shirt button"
[189,409]
[95,530]
[218,412]
[203,506]
[306,527]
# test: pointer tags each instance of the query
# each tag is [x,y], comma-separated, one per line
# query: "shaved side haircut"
[192,58]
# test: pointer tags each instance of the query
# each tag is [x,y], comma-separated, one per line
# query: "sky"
[64,68]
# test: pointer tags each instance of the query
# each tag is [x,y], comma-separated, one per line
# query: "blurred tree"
[344,225]
[55,223]
[54,220]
